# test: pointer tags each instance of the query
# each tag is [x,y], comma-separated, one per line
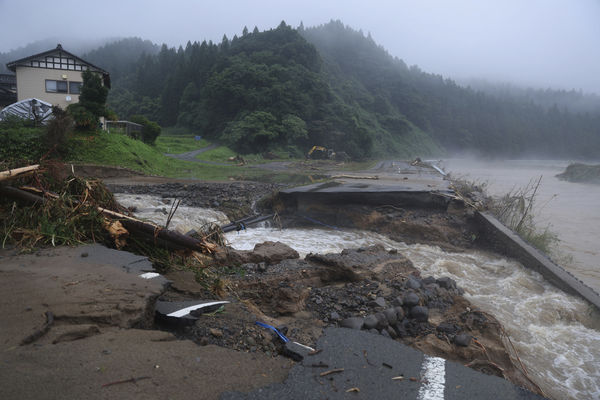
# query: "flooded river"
[571,210]
[556,335]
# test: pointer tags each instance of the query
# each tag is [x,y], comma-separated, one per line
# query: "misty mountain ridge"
[291,88]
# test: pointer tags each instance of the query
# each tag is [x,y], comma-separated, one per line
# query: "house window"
[56,86]
[75,87]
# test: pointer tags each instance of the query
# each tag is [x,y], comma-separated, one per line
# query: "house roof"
[61,53]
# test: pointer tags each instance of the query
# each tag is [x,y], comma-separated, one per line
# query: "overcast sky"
[544,43]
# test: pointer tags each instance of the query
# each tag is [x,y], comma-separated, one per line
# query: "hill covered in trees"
[288,89]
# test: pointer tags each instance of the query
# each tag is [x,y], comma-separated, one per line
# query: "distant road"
[191,155]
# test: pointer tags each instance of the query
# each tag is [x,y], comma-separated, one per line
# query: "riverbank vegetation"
[515,209]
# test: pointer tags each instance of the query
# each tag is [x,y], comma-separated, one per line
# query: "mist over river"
[571,210]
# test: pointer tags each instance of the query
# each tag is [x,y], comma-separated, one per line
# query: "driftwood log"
[160,235]
[13,173]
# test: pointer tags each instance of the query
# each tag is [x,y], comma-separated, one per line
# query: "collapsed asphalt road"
[356,364]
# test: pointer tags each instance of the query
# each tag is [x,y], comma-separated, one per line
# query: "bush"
[150,129]
[84,119]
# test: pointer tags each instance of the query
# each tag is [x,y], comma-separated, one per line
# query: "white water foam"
[557,335]
[156,209]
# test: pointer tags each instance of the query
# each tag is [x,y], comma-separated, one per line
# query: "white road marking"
[187,310]
[149,275]
[433,379]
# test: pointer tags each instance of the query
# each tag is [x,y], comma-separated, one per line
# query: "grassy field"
[177,144]
[120,150]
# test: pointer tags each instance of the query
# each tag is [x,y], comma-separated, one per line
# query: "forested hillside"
[260,91]
[289,89]
[460,119]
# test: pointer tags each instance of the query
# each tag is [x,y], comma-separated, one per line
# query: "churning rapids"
[557,335]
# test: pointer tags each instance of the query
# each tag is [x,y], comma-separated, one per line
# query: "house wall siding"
[31,82]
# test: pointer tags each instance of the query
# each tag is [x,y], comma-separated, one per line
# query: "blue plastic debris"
[281,335]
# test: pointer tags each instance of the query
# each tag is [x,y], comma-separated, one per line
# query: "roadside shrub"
[150,129]
[83,118]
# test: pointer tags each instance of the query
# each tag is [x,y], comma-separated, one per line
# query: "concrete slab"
[398,183]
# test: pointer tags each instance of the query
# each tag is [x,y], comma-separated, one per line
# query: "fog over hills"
[538,43]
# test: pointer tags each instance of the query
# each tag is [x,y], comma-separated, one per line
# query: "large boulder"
[267,252]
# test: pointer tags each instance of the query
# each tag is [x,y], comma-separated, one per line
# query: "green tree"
[150,129]
[93,94]
[294,129]
[253,132]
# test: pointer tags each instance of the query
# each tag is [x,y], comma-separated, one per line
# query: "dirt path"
[191,155]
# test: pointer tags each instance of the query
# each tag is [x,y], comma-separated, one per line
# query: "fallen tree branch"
[147,228]
[22,195]
[13,173]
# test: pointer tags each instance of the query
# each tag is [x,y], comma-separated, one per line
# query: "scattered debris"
[332,371]
[130,380]
[186,312]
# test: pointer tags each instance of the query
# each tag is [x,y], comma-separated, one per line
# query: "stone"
[399,313]
[391,332]
[261,267]
[335,316]
[398,301]
[428,280]
[391,315]
[446,283]
[400,330]
[216,332]
[380,302]
[385,333]
[462,340]
[410,299]
[413,283]
[419,313]
[274,252]
[371,322]
[352,323]
[382,321]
